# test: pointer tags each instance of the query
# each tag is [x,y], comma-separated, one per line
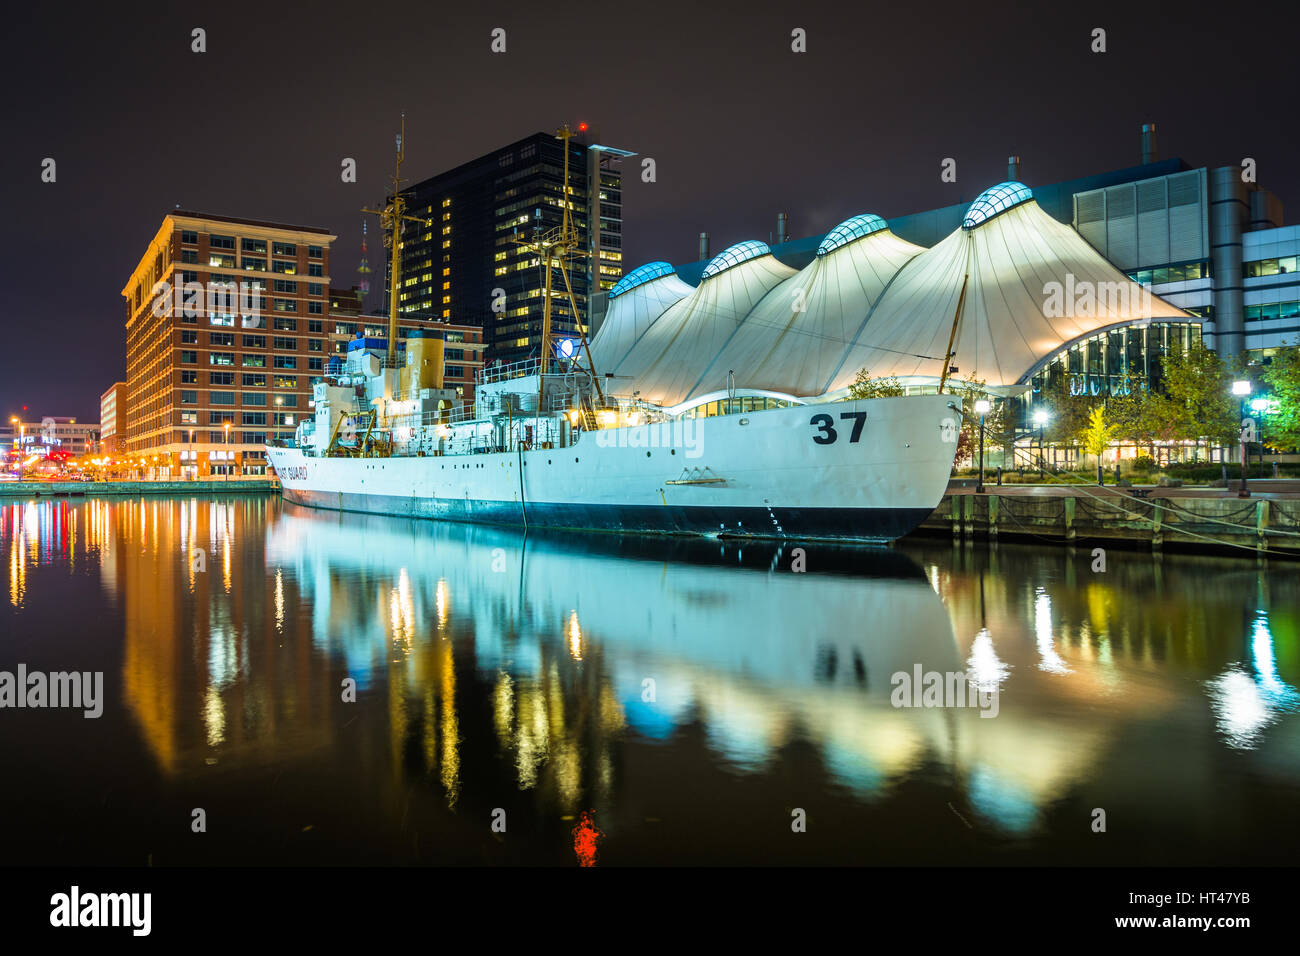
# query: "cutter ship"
[545,444]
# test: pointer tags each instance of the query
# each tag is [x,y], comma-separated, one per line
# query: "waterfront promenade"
[66,489]
[1202,519]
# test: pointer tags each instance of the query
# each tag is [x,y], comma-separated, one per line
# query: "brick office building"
[227,321]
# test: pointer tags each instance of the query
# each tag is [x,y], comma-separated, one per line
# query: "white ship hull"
[869,470]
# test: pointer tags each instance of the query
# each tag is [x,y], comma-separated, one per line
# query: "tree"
[1282,376]
[864,386]
[1097,436]
[1198,383]
[1142,416]
[1001,432]
[1125,410]
[1068,413]
[970,391]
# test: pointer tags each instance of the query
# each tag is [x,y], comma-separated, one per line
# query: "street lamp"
[1260,406]
[226,428]
[22,435]
[1241,388]
[194,462]
[982,405]
[1040,419]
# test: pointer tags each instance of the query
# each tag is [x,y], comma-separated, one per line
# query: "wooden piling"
[1261,526]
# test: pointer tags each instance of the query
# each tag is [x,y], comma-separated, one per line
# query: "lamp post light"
[1260,406]
[1040,419]
[22,433]
[226,429]
[1241,388]
[982,405]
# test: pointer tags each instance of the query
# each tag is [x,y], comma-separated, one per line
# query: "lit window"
[857,227]
[994,200]
[734,256]
[640,276]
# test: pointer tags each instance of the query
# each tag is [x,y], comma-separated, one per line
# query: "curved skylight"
[994,200]
[849,230]
[734,256]
[640,276]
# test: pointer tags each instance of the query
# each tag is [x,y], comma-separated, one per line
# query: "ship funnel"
[425,349]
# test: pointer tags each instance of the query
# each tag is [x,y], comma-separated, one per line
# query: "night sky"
[740,127]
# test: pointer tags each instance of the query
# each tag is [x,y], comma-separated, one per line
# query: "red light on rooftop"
[582,127]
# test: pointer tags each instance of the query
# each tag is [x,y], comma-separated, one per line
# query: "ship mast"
[392,216]
[956,319]
[952,336]
[555,248]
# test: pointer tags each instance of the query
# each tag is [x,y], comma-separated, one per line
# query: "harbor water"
[289,686]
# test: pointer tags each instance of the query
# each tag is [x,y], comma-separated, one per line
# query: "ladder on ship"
[587,414]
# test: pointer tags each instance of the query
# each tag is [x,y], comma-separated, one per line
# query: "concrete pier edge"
[1266,525]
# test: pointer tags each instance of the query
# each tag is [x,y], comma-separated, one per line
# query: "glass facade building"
[470,265]
[1108,363]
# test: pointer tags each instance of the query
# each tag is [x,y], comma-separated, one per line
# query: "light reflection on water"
[631,700]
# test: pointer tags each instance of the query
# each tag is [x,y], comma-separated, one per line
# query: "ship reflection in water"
[596,700]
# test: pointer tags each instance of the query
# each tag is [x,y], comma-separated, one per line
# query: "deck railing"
[501,373]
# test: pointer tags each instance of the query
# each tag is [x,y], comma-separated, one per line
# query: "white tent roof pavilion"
[870,300]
